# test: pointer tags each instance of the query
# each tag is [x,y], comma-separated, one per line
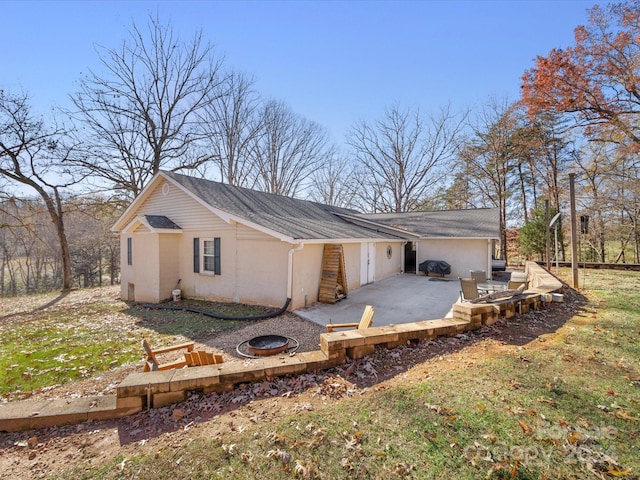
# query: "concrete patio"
[402,298]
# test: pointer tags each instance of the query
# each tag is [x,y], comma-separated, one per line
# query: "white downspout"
[290,269]
[490,258]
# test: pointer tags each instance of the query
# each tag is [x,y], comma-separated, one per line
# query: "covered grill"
[439,267]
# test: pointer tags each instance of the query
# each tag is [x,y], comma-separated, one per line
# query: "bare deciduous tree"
[29,156]
[609,193]
[141,113]
[490,158]
[94,249]
[335,182]
[287,150]
[231,123]
[401,155]
[549,150]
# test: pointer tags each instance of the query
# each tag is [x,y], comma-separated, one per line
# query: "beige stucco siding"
[186,212]
[143,273]
[385,265]
[352,260]
[253,264]
[307,268]
[253,267]
[169,263]
[262,271]
[463,255]
[126,271]
[207,285]
[175,253]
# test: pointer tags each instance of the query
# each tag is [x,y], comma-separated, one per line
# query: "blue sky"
[332,61]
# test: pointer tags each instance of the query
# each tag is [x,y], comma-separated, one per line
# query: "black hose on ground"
[219,316]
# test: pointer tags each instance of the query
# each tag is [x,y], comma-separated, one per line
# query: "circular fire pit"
[267,345]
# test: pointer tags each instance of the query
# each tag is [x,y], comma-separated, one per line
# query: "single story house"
[227,243]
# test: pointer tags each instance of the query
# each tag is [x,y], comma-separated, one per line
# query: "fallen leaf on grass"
[278,454]
[624,415]
[575,436]
[303,469]
[229,449]
[516,410]
[490,437]
[525,428]
[514,471]
[346,464]
[618,473]
[247,457]
[403,469]
[430,436]
[440,409]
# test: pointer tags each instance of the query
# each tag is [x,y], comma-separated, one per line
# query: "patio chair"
[199,358]
[152,363]
[468,289]
[365,322]
[480,276]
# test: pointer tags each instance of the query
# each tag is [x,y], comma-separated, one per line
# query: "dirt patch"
[45,452]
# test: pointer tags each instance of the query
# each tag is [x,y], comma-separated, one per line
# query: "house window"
[129,251]
[210,261]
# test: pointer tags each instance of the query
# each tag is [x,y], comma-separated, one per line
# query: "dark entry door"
[410,257]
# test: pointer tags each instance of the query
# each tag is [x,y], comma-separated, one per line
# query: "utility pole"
[574,230]
[548,233]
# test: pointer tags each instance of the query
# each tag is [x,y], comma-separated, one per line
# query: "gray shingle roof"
[470,223]
[295,218]
[306,220]
[160,221]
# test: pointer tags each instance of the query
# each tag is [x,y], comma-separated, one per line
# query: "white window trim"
[203,256]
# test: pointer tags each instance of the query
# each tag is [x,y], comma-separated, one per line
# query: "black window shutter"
[196,255]
[129,251]
[216,255]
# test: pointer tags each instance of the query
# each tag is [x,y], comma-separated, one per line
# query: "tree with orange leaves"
[597,81]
